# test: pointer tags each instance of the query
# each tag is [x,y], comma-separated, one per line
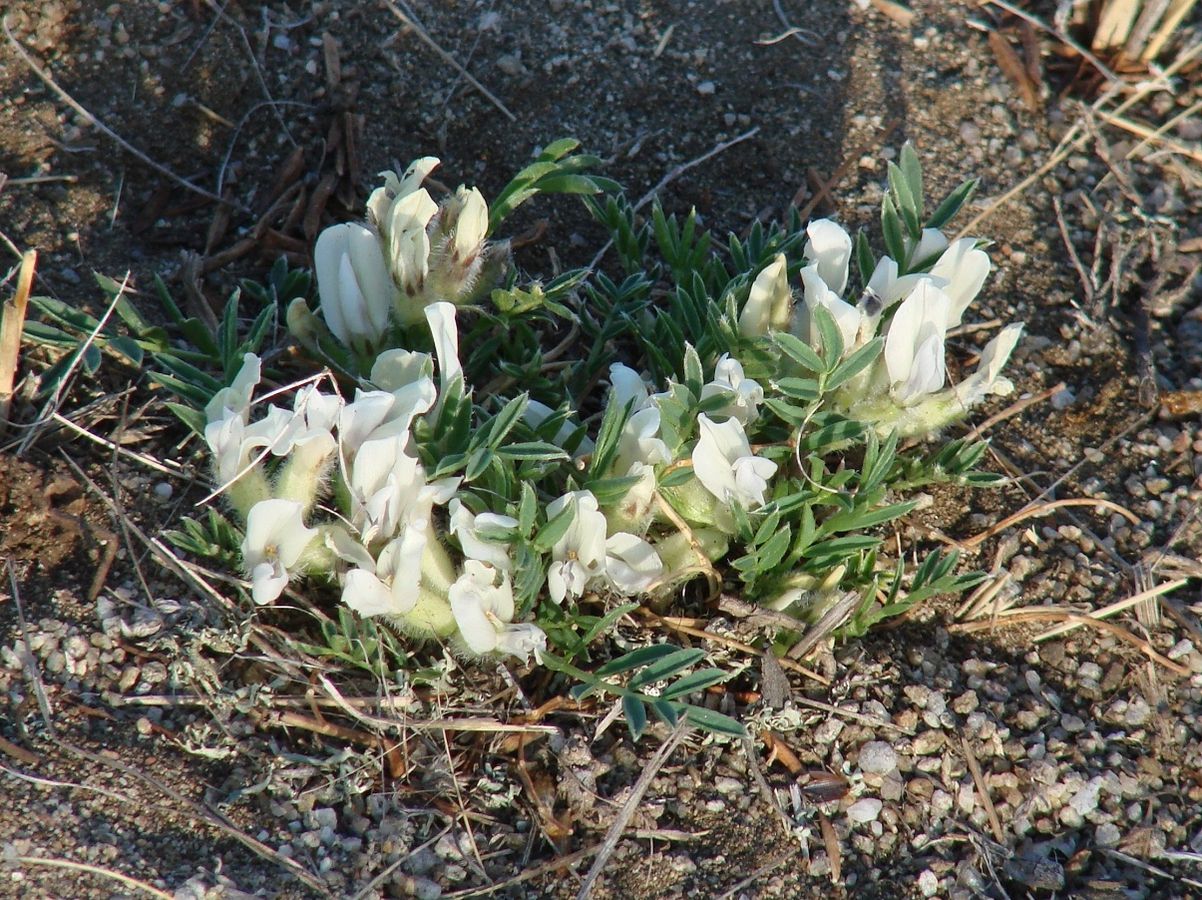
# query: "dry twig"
[11,329]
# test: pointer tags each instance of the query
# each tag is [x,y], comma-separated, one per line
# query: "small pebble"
[928,883]
[877,758]
[163,490]
[866,809]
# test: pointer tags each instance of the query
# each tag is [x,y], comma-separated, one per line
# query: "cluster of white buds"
[411,252]
[904,390]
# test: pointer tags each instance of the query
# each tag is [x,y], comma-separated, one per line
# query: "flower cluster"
[904,389]
[439,513]
[411,252]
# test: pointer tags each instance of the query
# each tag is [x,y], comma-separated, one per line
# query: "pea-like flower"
[745,394]
[769,302]
[482,603]
[913,354]
[631,563]
[355,288]
[579,556]
[726,467]
[467,527]
[276,539]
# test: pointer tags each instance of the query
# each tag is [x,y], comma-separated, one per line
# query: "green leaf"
[830,336]
[855,364]
[694,377]
[557,526]
[477,463]
[891,230]
[636,715]
[911,170]
[905,201]
[634,659]
[539,451]
[504,421]
[694,681]
[951,205]
[715,722]
[864,259]
[676,477]
[527,509]
[665,667]
[799,351]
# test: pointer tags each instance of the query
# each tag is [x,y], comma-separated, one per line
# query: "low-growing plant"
[470,456]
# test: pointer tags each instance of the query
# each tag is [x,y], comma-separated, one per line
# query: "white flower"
[631,563]
[817,292]
[914,345]
[382,199]
[578,556]
[745,394]
[829,249]
[987,379]
[483,610]
[725,466]
[965,269]
[318,411]
[471,223]
[353,281]
[236,397]
[465,526]
[275,538]
[769,302]
[389,490]
[392,587]
[639,442]
[441,317]
[886,287]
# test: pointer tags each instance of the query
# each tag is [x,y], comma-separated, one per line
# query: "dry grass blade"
[93,870]
[627,812]
[11,328]
[978,778]
[1015,69]
[1174,17]
[1042,509]
[1115,608]
[1150,135]
[1056,33]
[830,840]
[1019,616]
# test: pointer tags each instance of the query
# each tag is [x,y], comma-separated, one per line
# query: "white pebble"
[865,809]
[928,883]
[163,490]
[877,758]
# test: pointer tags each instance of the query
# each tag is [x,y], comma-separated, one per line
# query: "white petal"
[367,595]
[628,387]
[631,562]
[927,372]
[395,369]
[268,580]
[769,301]
[925,311]
[751,474]
[717,448]
[932,242]
[237,396]
[522,640]
[441,318]
[346,547]
[274,528]
[988,377]
[472,224]
[371,275]
[463,526]
[829,246]
[965,269]
[320,411]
